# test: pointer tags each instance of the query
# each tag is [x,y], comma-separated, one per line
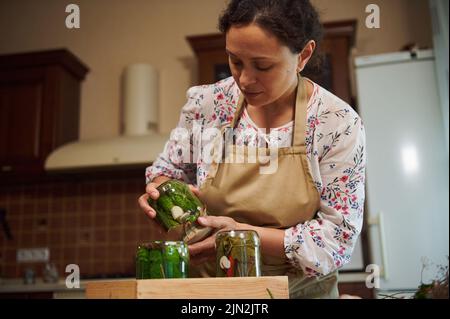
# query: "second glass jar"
[162,259]
[238,254]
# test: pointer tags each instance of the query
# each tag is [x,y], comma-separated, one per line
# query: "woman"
[309,212]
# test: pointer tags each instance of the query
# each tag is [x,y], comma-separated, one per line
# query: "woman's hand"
[151,192]
[205,250]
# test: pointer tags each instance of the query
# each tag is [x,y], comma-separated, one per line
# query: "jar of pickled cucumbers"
[177,209]
[238,254]
[162,259]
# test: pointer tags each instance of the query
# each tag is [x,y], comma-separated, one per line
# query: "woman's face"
[264,69]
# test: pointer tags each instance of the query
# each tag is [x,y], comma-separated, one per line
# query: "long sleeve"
[176,160]
[207,107]
[336,149]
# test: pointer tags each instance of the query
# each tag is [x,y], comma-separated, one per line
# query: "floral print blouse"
[335,144]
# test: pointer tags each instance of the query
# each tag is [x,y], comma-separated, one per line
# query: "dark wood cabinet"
[39,108]
[339,38]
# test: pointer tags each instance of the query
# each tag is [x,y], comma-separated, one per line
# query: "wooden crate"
[191,288]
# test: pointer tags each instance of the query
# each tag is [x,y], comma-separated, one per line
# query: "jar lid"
[243,237]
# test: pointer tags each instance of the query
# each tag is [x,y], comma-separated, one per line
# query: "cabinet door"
[21,109]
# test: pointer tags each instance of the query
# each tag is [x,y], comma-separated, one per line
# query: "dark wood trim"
[43,58]
[201,43]
[345,28]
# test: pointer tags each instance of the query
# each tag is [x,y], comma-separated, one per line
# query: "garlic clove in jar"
[177,212]
[224,262]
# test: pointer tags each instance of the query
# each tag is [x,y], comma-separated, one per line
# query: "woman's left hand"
[205,250]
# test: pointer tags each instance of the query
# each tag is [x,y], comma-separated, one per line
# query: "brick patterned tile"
[26,240]
[115,235]
[73,221]
[71,205]
[100,267]
[101,252]
[86,204]
[101,219]
[100,236]
[41,239]
[84,253]
[115,219]
[56,222]
[101,188]
[43,206]
[43,191]
[85,220]
[57,205]
[11,271]
[86,189]
[10,255]
[100,203]
[70,254]
[70,237]
[28,209]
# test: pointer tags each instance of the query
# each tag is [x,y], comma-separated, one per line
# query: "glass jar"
[178,208]
[162,259]
[238,254]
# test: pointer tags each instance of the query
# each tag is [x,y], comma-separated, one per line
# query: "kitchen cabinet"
[39,108]
[339,38]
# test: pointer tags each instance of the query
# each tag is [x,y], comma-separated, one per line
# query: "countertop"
[18,286]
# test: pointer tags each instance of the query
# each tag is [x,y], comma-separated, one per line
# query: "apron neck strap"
[301,102]
[301,105]
[239,110]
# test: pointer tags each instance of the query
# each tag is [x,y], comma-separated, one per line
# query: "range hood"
[140,142]
[122,150]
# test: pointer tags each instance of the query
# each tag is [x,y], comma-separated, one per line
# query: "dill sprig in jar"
[238,254]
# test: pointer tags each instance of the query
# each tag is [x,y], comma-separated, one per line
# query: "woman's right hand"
[151,192]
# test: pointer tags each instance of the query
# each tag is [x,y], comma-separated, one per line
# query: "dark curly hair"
[293,22]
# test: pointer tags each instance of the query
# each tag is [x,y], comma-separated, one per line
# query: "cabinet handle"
[7,168]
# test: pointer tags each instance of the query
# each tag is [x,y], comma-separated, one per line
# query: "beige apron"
[280,200]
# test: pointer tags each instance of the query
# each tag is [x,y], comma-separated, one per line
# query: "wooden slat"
[125,289]
[214,288]
[193,288]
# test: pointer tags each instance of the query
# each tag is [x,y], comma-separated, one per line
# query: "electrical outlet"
[33,255]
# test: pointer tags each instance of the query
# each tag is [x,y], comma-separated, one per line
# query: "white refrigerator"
[407,189]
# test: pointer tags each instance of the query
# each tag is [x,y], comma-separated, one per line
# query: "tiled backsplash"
[94,224]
